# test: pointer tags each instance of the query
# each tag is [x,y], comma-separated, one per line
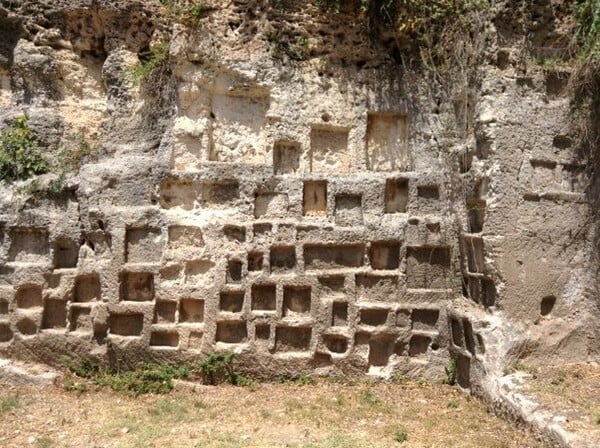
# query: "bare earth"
[571,391]
[327,414]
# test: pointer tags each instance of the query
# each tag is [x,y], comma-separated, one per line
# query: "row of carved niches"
[344,201]
[34,245]
[239,132]
[329,313]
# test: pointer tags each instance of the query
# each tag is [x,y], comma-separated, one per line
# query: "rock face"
[289,193]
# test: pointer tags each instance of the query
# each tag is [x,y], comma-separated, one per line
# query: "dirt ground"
[571,391]
[327,414]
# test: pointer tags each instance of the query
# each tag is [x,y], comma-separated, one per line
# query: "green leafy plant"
[453,404]
[400,435]
[588,30]
[450,369]
[216,367]
[146,378]
[153,65]
[20,156]
[194,13]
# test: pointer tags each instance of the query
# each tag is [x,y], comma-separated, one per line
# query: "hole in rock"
[234,271]
[336,343]
[339,314]
[547,305]
[164,339]
[418,344]
[29,296]
[66,252]
[164,311]
[332,256]
[385,255]
[191,310]
[255,261]
[425,319]
[126,324]
[296,300]
[286,157]
[373,316]
[291,339]
[264,297]
[231,301]
[231,332]
[136,286]
[314,199]
[282,258]
[396,195]
[55,314]
[87,288]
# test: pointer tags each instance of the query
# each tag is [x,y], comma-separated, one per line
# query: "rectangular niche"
[292,339]
[385,254]
[80,318]
[221,193]
[164,338]
[387,148]
[264,297]
[425,319]
[314,198]
[296,300]
[6,333]
[184,236]
[29,296]
[164,311]
[373,316]
[55,314]
[238,126]
[126,324]
[329,150]
[348,210]
[191,311]
[255,261]
[333,256]
[232,332]
[381,348]
[179,194]
[234,271]
[143,244]
[428,192]
[195,340]
[475,254]
[270,205]
[28,244]
[476,215]
[377,287]
[66,253]
[286,157]
[396,195]
[336,343]
[262,332]
[282,258]
[428,267]
[87,288]
[339,314]
[234,233]
[332,285]
[136,286]
[231,301]
[3,307]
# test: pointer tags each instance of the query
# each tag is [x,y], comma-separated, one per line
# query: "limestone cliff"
[288,183]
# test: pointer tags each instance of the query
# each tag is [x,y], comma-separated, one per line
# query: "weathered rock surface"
[332,213]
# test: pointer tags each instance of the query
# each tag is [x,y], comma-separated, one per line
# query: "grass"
[324,415]
[9,403]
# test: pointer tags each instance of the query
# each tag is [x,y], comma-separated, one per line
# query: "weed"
[20,156]
[8,403]
[421,382]
[146,378]
[153,65]
[370,399]
[450,369]
[216,367]
[71,385]
[76,151]
[44,442]
[559,379]
[588,30]
[453,404]
[400,435]
[194,12]
[399,378]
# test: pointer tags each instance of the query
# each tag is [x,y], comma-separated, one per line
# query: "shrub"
[216,367]
[20,156]
[153,65]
